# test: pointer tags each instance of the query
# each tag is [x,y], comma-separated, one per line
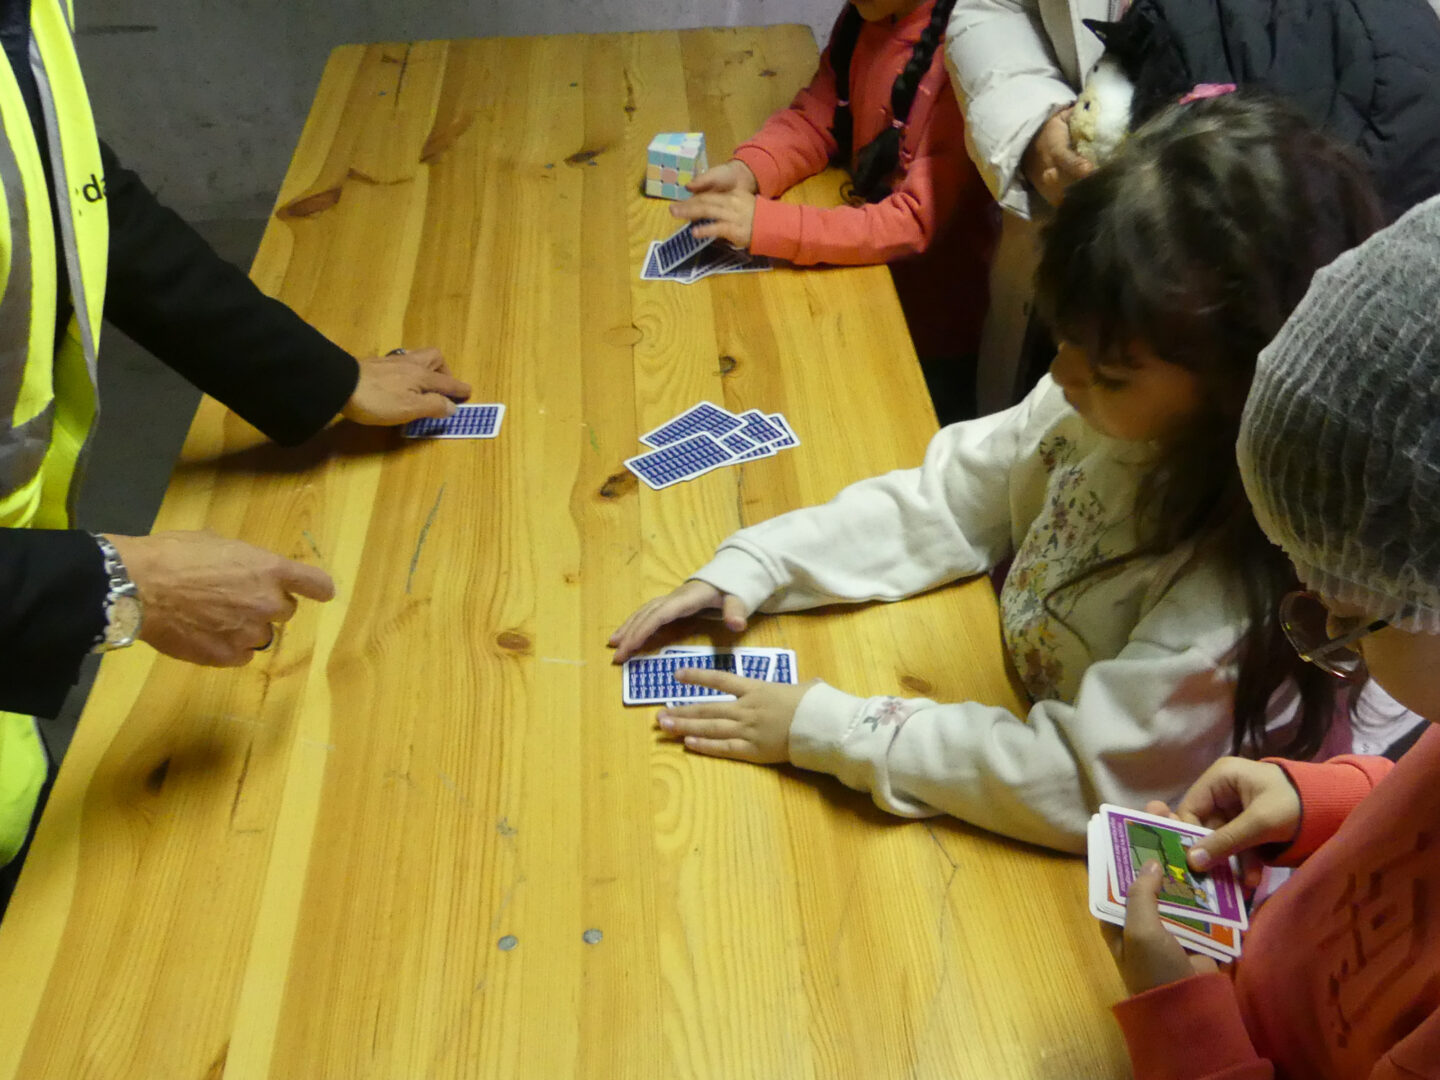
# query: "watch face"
[124,625]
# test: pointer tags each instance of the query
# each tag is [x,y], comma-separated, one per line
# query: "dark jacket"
[1367,71]
[205,319]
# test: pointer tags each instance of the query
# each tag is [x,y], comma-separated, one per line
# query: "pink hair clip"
[1204,90]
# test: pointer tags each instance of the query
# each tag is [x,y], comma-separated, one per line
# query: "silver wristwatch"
[123,610]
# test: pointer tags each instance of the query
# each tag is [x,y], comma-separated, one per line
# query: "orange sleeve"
[1190,1030]
[796,142]
[936,181]
[1328,791]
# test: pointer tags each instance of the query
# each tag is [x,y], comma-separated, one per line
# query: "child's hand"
[1146,953]
[755,727]
[1247,803]
[689,599]
[732,176]
[731,214]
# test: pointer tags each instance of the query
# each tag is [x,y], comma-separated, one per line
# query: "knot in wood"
[917,684]
[618,484]
[513,640]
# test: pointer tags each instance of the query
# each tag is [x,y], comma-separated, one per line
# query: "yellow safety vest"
[47,391]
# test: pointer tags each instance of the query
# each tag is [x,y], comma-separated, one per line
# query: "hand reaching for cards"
[755,727]
[730,215]
[1146,953]
[689,599]
[734,175]
[401,387]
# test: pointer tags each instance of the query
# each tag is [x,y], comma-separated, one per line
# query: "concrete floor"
[145,411]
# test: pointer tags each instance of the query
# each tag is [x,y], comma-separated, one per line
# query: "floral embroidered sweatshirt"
[1340,978]
[1131,675]
[939,209]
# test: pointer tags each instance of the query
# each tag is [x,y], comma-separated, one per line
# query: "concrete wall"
[206,98]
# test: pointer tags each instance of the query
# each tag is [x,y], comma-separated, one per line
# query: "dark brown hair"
[876,161]
[1197,240]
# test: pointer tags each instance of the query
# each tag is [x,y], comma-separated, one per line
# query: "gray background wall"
[205,98]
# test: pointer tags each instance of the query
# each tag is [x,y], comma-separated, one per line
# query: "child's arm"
[796,142]
[934,185]
[894,535]
[1328,792]
[1143,726]
[1004,69]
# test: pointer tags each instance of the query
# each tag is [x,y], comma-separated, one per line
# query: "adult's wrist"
[124,609]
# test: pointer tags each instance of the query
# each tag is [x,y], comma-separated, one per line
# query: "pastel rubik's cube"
[676,158]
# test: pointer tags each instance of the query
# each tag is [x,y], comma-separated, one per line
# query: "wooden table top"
[422,837]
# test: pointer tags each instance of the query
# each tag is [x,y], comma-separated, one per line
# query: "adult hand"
[1247,803]
[754,727]
[213,601]
[734,175]
[689,599]
[1050,162]
[1146,953]
[402,387]
[729,215]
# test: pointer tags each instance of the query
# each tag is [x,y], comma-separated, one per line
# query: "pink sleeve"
[1190,1030]
[939,179]
[1328,792]
[797,142]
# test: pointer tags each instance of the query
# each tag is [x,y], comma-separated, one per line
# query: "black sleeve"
[205,319]
[52,608]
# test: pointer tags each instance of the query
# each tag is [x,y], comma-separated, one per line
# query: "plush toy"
[1100,118]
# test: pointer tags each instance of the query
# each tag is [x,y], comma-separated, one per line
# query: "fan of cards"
[650,679]
[686,258]
[705,437]
[1206,912]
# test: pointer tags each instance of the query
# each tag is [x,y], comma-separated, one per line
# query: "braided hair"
[876,162]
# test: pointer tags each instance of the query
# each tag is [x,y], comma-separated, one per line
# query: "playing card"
[752,264]
[707,261]
[738,444]
[467,422]
[650,679]
[789,439]
[677,461]
[1133,838]
[753,663]
[650,271]
[1222,943]
[756,425]
[681,246]
[705,416]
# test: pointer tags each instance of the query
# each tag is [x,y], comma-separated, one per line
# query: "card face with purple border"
[1135,838]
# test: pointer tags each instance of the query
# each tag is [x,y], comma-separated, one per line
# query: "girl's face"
[1149,400]
[1401,662]
[875,10]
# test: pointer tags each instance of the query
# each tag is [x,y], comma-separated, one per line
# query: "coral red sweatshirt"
[939,210]
[1340,979]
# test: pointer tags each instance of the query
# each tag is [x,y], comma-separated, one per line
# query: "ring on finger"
[397,352]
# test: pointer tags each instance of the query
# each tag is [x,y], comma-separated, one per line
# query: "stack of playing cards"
[650,679]
[687,259]
[705,437]
[1206,912]
[467,422]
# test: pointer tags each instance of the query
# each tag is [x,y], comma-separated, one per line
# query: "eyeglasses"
[1307,622]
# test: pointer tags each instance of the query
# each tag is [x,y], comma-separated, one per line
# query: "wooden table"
[422,837]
